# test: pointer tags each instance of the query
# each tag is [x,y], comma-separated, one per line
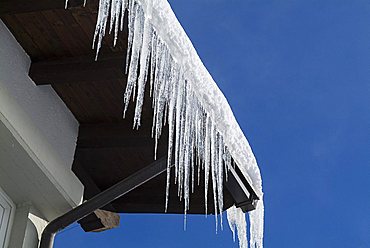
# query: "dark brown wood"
[35,25]
[78,69]
[116,142]
[56,33]
[17,29]
[99,221]
[113,135]
[26,6]
[108,150]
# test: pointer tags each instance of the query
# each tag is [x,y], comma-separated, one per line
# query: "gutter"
[100,200]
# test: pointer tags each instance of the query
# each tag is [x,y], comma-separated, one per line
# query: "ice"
[101,24]
[171,123]
[204,136]
[180,88]
[116,17]
[237,223]
[143,73]
[256,226]
[214,164]
[131,19]
[220,177]
[135,53]
[207,160]
[186,148]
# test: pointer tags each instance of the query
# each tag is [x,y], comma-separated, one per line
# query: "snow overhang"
[203,132]
[160,51]
[160,55]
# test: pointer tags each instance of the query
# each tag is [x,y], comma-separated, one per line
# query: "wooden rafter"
[27,6]
[78,69]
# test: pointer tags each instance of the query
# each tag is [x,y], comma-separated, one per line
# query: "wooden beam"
[78,69]
[115,143]
[26,6]
[98,136]
[99,221]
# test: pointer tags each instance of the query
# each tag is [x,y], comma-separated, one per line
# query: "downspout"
[100,200]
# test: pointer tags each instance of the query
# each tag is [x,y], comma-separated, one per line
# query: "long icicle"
[135,54]
[143,73]
[214,164]
[220,177]
[207,160]
[171,125]
[193,137]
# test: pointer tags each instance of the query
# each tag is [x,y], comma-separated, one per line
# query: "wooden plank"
[27,6]
[78,69]
[95,221]
[99,221]
[19,32]
[68,32]
[100,136]
[110,130]
[128,142]
[37,27]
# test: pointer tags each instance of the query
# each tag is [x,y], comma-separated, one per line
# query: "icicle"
[194,138]
[207,161]
[201,139]
[236,219]
[185,154]
[214,165]
[182,142]
[113,8]
[227,162]
[143,73]
[131,20]
[153,82]
[135,53]
[116,17]
[199,136]
[153,60]
[187,146]
[124,5]
[157,83]
[192,152]
[160,95]
[171,124]
[220,175]
[101,24]
[256,225]
[178,122]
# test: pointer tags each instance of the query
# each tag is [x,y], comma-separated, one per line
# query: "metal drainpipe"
[101,199]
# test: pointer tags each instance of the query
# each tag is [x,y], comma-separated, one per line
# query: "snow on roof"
[203,132]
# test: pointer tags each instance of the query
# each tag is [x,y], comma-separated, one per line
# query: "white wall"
[44,109]
[7,210]
[38,136]
[24,233]
[37,118]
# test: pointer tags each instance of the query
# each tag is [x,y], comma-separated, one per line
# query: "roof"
[108,149]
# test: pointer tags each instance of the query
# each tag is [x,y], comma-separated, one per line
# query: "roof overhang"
[108,149]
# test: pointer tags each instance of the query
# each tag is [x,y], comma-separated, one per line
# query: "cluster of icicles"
[194,142]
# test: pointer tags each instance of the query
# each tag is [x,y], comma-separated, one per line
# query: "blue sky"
[297,76]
